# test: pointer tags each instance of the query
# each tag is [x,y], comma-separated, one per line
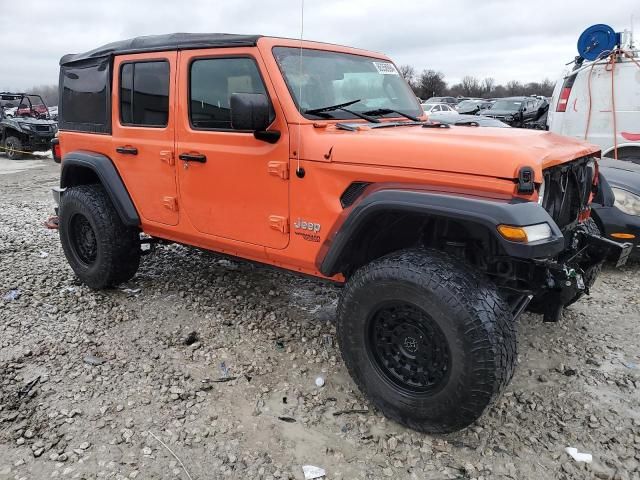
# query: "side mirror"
[249,111]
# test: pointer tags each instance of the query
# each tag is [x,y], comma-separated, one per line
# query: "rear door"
[232,185]
[143,132]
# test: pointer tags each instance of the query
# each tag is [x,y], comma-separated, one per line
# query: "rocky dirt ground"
[216,361]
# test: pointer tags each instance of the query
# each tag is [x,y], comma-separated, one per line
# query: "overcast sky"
[526,40]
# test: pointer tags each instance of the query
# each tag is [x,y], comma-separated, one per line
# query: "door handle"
[127,150]
[193,157]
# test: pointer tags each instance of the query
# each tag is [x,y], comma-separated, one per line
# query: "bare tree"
[409,74]
[488,84]
[514,88]
[431,84]
[470,86]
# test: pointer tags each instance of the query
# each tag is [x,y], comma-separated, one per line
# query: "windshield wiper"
[385,111]
[341,106]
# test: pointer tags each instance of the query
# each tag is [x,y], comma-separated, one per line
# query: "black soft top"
[158,43]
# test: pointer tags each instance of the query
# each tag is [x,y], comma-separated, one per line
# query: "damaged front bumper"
[571,273]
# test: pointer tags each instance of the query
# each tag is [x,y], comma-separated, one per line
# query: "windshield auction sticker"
[385,68]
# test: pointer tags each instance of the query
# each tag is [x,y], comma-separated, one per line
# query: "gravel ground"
[216,361]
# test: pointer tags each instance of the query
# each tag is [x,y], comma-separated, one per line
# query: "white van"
[584,109]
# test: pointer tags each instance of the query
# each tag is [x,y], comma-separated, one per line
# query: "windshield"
[319,78]
[506,105]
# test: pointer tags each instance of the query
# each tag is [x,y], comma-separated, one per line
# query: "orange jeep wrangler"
[318,159]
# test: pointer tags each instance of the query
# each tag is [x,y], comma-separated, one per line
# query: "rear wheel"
[101,250]
[13,148]
[429,341]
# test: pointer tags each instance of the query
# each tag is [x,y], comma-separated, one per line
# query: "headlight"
[626,201]
[25,126]
[527,234]
[541,193]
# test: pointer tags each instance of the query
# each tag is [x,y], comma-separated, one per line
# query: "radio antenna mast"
[299,171]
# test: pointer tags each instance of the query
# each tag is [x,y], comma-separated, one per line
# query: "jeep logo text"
[302,225]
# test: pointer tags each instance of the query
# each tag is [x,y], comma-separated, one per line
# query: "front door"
[143,126]
[232,185]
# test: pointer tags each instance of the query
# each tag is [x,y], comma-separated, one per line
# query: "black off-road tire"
[102,251]
[13,148]
[591,272]
[465,329]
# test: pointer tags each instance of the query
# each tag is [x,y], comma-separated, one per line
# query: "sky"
[524,40]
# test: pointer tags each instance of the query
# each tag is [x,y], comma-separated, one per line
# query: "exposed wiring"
[586,131]
[612,63]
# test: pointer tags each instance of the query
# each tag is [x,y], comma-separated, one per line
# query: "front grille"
[42,128]
[567,191]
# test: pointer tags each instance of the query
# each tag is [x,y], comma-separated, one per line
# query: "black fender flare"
[486,212]
[102,166]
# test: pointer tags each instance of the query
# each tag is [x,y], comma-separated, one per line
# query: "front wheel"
[428,340]
[13,148]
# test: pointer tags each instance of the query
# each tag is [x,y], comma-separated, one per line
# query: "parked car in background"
[583,108]
[53,113]
[513,110]
[32,106]
[430,108]
[473,106]
[447,100]
[466,120]
[616,209]
[29,130]
[10,112]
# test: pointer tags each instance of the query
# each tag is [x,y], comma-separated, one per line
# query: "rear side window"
[144,94]
[84,94]
[211,83]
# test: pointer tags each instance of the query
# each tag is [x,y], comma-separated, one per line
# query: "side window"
[211,83]
[144,94]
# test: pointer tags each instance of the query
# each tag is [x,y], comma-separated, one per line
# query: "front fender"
[465,208]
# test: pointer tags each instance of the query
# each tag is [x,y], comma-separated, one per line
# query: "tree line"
[431,83]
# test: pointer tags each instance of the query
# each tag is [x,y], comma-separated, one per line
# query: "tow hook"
[567,280]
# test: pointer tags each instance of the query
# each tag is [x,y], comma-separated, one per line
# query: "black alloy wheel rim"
[84,240]
[408,348]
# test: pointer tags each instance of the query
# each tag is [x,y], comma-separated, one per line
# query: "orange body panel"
[246,200]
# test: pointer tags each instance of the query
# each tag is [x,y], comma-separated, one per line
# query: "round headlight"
[626,201]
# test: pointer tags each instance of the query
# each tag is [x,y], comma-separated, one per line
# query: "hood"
[494,152]
[34,121]
[502,113]
[468,109]
[622,174]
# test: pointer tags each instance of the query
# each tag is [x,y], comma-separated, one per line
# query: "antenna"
[300,171]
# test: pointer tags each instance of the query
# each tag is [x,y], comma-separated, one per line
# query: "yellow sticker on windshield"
[385,68]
